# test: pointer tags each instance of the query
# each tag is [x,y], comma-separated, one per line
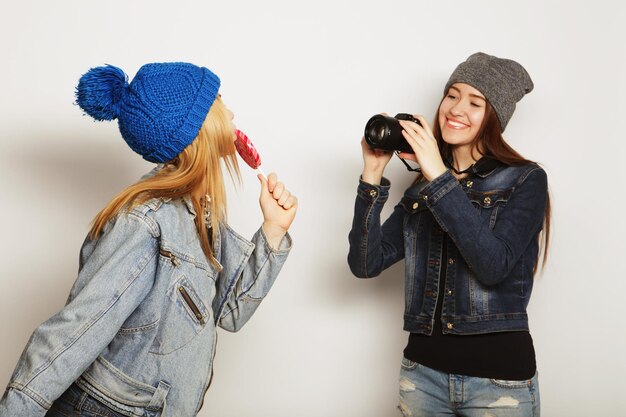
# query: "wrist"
[372,177]
[273,229]
[274,234]
[435,173]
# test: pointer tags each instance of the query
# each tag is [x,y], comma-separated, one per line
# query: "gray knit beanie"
[503,82]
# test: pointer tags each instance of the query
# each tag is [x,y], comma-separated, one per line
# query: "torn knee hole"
[404,409]
[406,385]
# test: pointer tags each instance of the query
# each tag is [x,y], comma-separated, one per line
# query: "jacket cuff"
[283,248]
[17,403]
[373,193]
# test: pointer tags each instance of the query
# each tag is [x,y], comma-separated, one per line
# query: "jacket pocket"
[414,207]
[184,316]
[111,386]
[412,204]
[488,203]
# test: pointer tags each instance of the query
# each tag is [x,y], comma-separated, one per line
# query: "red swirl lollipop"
[246,150]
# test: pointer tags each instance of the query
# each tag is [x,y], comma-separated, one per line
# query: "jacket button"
[425,197]
[449,326]
[449,292]
[415,205]
[451,261]
[487,200]
[469,184]
[373,193]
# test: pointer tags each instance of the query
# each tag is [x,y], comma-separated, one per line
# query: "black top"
[504,355]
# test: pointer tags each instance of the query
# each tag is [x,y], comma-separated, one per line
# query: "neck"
[463,157]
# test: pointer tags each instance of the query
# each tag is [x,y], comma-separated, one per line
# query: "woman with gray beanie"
[472,229]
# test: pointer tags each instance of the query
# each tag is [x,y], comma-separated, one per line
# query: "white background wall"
[302,79]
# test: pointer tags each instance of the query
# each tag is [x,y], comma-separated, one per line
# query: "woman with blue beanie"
[160,268]
[470,229]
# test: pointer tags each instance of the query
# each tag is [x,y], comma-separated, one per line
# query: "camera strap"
[406,164]
[484,165]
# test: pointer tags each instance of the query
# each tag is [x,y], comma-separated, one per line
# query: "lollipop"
[247,151]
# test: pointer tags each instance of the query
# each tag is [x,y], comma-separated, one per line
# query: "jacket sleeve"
[373,248]
[112,281]
[246,278]
[490,252]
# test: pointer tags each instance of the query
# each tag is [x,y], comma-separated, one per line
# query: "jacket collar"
[157,202]
[189,205]
[482,168]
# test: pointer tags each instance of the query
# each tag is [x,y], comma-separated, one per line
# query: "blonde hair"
[194,173]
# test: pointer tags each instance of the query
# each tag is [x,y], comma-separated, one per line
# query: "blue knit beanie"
[159,113]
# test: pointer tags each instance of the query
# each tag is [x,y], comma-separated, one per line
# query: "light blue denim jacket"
[138,331]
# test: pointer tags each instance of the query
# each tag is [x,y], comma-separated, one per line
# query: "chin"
[456,141]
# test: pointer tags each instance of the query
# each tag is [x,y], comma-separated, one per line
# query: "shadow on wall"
[57,183]
[73,171]
[349,290]
[324,222]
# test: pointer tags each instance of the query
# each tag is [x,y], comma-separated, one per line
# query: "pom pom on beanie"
[99,92]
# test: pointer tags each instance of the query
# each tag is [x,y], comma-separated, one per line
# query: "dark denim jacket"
[492,221]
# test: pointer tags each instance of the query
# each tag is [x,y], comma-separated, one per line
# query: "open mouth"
[454,124]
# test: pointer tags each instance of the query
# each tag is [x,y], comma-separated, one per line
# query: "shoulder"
[517,175]
[171,219]
[157,213]
[160,205]
[127,228]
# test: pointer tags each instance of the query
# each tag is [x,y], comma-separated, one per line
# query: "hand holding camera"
[385,132]
[410,137]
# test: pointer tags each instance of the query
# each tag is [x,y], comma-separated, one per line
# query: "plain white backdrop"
[302,79]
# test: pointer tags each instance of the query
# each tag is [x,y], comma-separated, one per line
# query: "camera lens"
[384,132]
[377,130]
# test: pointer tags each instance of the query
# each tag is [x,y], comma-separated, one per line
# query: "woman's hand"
[424,145]
[278,206]
[374,163]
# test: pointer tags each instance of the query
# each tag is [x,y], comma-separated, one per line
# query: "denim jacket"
[138,331]
[491,220]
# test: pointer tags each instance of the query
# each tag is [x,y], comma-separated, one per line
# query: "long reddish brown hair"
[489,142]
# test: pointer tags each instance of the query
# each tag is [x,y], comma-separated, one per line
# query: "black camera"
[385,132]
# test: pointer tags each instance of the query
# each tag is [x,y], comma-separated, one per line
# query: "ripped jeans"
[428,392]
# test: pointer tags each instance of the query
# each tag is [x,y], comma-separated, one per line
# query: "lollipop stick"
[260,171]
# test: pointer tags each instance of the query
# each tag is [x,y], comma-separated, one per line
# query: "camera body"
[385,132]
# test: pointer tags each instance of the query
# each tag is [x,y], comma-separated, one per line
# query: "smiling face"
[461,114]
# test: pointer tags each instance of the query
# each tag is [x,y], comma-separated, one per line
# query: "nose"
[458,108]
[231,115]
